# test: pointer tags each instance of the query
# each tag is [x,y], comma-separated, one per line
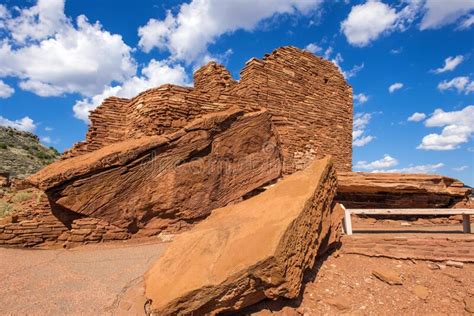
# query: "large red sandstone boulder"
[164,182]
[385,190]
[246,252]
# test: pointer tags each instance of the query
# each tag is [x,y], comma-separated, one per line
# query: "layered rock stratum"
[168,181]
[256,249]
[385,190]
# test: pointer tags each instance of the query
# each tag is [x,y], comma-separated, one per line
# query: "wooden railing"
[465,212]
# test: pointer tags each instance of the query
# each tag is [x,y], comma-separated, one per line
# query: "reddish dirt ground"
[345,283]
[87,280]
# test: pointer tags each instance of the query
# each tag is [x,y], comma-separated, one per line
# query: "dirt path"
[87,280]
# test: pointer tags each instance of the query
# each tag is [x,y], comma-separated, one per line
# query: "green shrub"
[5,208]
[42,155]
[3,145]
[21,196]
[54,150]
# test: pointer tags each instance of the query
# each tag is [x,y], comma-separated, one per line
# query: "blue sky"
[410,63]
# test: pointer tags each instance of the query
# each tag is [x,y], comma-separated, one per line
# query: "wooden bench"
[465,212]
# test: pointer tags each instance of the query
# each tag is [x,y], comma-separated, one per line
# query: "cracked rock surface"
[165,182]
[246,252]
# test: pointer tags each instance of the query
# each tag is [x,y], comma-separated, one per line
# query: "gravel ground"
[87,280]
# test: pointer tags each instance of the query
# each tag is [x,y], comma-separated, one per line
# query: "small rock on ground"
[388,276]
[340,303]
[456,264]
[421,291]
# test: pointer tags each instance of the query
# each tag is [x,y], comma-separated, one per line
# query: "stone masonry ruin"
[308,115]
[307,96]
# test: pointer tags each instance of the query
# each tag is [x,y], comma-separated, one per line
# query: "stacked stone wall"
[107,127]
[310,102]
[37,226]
[31,227]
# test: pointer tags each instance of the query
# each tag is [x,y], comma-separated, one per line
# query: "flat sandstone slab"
[162,182]
[249,251]
[385,190]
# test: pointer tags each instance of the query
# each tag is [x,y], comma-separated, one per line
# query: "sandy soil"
[346,284]
[87,280]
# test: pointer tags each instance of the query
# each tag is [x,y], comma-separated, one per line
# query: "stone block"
[246,252]
[209,163]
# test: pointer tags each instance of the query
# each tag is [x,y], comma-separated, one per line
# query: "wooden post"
[347,221]
[466,224]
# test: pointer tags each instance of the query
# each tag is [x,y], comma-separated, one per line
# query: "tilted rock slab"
[163,182]
[246,252]
[385,190]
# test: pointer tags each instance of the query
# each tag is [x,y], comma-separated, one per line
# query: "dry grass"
[21,197]
[39,196]
[5,208]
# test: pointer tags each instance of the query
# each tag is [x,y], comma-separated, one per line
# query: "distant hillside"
[22,154]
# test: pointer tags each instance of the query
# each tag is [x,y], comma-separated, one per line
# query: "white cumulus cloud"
[417,117]
[46,140]
[25,124]
[52,55]
[154,74]
[458,128]
[3,12]
[361,98]
[394,87]
[359,137]
[450,64]
[313,48]
[461,168]
[386,162]
[187,34]
[440,13]
[37,22]
[429,168]
[337,60]
[466,23]
[366,22]
[461,84]
[5,90]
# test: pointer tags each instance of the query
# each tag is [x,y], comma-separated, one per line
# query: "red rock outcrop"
[165,182]
[246,252]
[4,179]
[35,225]
[307,96]
[385,190]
